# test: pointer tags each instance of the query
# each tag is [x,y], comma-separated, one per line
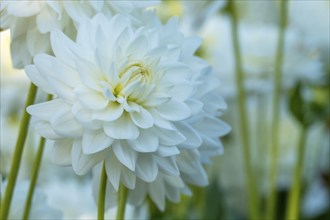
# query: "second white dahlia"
[135,98]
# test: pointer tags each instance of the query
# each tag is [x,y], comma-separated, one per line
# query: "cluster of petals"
[30,22]
[136,99]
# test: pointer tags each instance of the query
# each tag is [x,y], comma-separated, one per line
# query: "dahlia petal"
[168,166]
[44,129]
[212,145]
[166,151]
[94,142]
[129,179]
[82,163]
[174,181]
[156,99]
[177,72]
[81,113]
[45,64]
[195,106]
[157,193]
[172,193]
[174,110]
[37,78]
[138,196]
[90,74]
[125,154]
[91,99]
[111,113]
[24,8]
[76,12]
[65,125]
[170,138]
[37,42]
[113,170]
[64,48]
[182,91]
[19,52]
[146,168]
[138,47]
[61,152]
[213,127]
[161,122]
[122,128]
[46,20]
[45,110]
[198,177]
[97,5]
[142,119]
[193,139]
[146,142]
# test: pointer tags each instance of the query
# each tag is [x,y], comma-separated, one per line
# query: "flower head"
[135,98]
[30,22]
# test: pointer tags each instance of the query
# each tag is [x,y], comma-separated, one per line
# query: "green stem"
[102,194]
[275,137]
[250,180]
[294,195]
[35,174]
[5,206]
[122,197]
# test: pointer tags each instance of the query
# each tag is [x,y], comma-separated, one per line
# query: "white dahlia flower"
[39,207]
[30,21]
[135,98]
[258,49]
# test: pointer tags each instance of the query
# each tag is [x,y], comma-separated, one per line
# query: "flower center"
[134,72]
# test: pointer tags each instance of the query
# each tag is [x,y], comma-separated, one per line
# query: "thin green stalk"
[35,174]
[5,206]
[250,180]
[294,195]
[34,178]
[122,197]
[102,194]
[272,197]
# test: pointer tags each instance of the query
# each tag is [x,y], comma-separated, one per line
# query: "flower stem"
[35,174]
[5,205]
[122,197]
[294,195]
[102,194]
[275,137]
[244,124]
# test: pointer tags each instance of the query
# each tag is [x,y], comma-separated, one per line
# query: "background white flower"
[39,208]
[30,22]
[258,46]
[136,98]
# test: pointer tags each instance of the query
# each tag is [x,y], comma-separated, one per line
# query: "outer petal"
[91,99]
[157,193]
[82,163]
[45,110]
[94,142]
[122,128]
[174,110]
[113,169]
[125,154]
[146,168]
[168,166]
[65,125]
[61,152]
[38,79]
[147,141]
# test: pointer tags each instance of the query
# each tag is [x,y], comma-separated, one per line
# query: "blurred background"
[304,104]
